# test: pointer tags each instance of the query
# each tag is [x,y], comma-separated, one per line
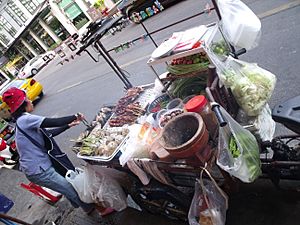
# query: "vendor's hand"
[79,116]
[74,123]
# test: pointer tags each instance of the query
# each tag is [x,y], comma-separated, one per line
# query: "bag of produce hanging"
[251,85]
[78,179]
[209,203]
[239,24]
[238,150]
[104,186]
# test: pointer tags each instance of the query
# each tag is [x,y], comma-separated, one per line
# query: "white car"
[35,65]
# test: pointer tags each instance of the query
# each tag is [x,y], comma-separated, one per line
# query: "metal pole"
[217,9]
[95,60]
[112,65]
[148,34]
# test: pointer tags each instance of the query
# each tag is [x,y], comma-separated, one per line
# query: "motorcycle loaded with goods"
[180,145]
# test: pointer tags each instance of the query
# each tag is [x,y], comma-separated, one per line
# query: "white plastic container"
[240,25]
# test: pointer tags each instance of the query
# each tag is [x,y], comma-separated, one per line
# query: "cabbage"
[251,86]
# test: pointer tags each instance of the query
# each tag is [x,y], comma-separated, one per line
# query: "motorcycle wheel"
[160,199]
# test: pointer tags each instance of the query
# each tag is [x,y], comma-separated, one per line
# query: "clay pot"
[185,135]
[158,152]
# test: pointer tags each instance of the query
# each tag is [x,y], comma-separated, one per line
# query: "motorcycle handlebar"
[239,52]
[216,109]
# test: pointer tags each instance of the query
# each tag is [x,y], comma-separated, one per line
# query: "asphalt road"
[82,85]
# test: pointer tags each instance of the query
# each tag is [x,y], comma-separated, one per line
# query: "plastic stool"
[44,193]
[7,222]
[5,205]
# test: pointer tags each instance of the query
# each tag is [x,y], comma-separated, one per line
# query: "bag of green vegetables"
[238,151]
[251,85]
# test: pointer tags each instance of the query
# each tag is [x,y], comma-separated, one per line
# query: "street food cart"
[184,141]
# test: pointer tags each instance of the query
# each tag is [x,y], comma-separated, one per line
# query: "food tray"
[106,159]
[144,98]
[147,96]
[207,38]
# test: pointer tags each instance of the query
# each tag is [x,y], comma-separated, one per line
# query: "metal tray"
[106,159]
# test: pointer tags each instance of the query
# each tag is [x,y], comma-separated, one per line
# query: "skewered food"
[126,115]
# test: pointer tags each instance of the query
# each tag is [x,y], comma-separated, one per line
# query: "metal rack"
[103,26]
[95,40]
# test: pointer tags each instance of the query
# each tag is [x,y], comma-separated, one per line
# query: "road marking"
[279,9]
[135,61]
[68,87]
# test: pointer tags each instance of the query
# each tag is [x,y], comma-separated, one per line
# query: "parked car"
[33,89]
[131,7]
[35,65]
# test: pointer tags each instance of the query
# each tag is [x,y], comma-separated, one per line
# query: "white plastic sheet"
[240,25]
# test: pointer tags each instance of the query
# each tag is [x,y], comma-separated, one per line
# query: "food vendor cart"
[177,140]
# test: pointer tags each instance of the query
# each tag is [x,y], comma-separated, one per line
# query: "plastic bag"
[99,185]
[251,85]
[262,126]
[104,186]
[135,146]
[79,181]
[265,124]
[238,150]
[209,203]
[240,25]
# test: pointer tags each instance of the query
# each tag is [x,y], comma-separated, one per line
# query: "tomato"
[156,109]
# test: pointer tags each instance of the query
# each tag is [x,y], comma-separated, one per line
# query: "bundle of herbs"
[184,87]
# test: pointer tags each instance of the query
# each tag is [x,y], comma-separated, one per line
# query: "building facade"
[30,27]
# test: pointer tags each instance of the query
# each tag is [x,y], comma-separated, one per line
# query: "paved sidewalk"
[31,209]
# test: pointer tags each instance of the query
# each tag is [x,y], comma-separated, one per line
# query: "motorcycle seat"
[288,113]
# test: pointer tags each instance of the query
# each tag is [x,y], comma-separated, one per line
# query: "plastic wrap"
[209,204]
[136,147]
[265,124]
[239,24]
[238,151]
[251,85]
[79,181]
[100,185]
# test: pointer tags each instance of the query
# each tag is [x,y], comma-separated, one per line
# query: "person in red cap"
[32,147]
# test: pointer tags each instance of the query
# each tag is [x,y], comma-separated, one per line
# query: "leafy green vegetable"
[248,145]
[251,86]
[235,152]
[220,48]
[187,68]
[184,87]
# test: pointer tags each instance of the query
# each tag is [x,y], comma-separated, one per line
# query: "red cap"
[196,104]
[14,98]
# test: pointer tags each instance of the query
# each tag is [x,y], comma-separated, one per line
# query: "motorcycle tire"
[157,198]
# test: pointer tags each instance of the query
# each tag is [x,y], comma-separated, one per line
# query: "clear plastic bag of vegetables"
[251,85]
[209,203]
[238,151]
